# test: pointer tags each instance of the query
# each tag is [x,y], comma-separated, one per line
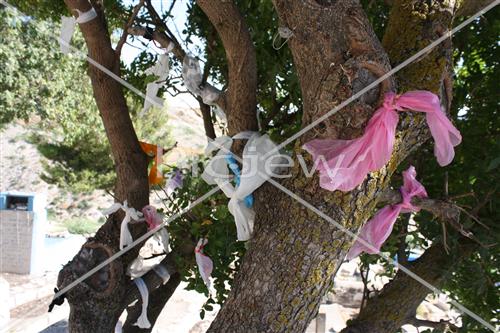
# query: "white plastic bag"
[253,174]
[130,214]
[191,73]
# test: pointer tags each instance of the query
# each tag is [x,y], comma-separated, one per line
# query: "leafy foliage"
[39,81]
[209,219]
[472,179]
[42,83]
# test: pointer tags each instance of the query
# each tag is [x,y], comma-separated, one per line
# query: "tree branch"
[128,24]
[207,119]
[439,325]
[399,299]
[241,94]
[443,210]
[470,7]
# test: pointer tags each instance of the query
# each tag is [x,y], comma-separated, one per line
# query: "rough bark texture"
[96,303]
[396,305]
[294,254]
[413,25]
[241,93]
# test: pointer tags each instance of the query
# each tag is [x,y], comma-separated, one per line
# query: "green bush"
[81,225]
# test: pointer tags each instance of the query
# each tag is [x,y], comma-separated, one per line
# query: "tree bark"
[95,304]
[241,93]
[208,125]
[294,254]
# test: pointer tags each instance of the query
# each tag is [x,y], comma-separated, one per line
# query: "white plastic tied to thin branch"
[68,25]
[160,69]
[191,74]
[142,321]
[219,113]
[209,94]
[162,272]
[151,99]
[254,173]
[130,214]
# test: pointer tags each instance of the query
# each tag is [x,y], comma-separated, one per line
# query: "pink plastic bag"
[344,164]
[376,231]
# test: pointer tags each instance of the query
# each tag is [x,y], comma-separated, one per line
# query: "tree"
[333,53]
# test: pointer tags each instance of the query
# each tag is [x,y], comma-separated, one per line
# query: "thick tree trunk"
[294,254]
[96,303]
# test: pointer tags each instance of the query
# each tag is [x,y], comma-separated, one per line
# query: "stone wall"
[16,233]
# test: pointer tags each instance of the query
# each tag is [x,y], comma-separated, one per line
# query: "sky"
[176,25]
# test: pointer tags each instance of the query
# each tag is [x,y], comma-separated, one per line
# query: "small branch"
[127,25]
[443,210]
[439,325]
[207,119]
[179,53]
[241,94]
[402,256]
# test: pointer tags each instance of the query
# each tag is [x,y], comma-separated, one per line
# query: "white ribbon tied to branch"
[142,321]
[130,214]
[254,173]
[160,69]
[68,25]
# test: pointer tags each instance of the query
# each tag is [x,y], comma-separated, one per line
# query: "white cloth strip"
[253,174]
[142,321]
[68,25]
[130,214]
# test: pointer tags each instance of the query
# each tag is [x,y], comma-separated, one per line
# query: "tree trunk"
[96,303]
[294,254]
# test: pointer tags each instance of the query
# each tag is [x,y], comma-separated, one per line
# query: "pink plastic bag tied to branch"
[376,231]
[344,164]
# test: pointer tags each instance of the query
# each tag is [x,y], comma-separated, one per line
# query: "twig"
[127,25]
